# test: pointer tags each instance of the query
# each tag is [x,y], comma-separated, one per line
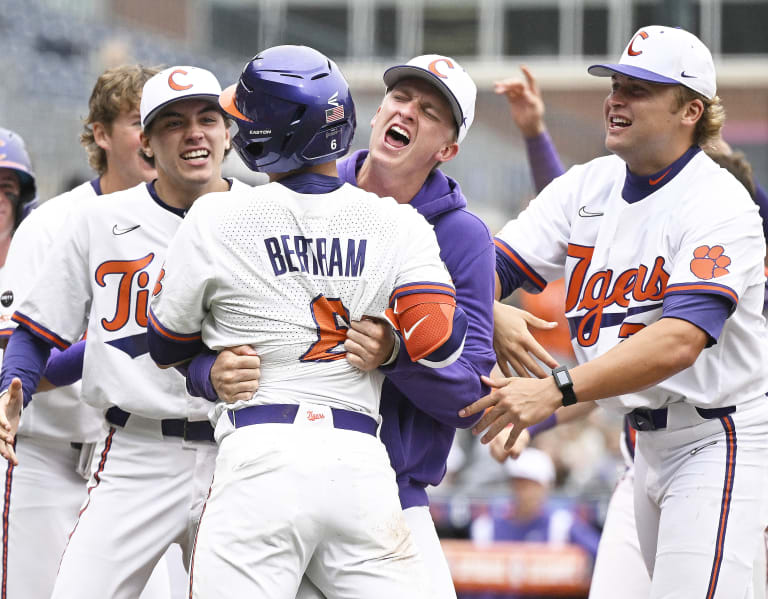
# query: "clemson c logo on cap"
[630,50]
[176,86]
[433,67]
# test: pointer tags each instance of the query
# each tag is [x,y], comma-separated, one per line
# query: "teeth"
[617,120]
[401,131]
[195,154]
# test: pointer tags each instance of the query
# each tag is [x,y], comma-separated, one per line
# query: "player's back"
[285,272]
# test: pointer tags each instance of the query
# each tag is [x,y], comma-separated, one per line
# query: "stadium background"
[53,51]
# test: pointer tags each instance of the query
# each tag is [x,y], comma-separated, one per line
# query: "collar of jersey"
[177,211]
[311,183]
[96,184]
[637,187]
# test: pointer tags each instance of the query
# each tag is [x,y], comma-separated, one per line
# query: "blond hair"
[712,119]
[117,90]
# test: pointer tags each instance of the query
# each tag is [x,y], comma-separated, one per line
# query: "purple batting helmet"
[292,107]
[13,155]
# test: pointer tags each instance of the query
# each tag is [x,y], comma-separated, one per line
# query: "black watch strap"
[565,384]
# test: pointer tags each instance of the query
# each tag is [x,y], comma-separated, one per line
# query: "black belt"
[195,430]
[645,419]
[286,414]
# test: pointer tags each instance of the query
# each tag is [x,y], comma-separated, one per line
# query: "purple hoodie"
[419,405]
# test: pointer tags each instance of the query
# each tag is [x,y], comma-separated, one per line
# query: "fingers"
[504,367]
[536,322]
[242,350]
[530,80]
[513,435]
[6,450]
[509,86]
[482,403]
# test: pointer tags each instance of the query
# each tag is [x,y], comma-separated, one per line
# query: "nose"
[194,131]
[408,109]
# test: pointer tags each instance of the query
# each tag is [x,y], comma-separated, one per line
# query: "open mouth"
[398,137]
[620,122]
[193,154]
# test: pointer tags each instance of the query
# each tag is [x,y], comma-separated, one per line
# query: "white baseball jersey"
[699,233]
[285,273]
[99,277]
[57,414]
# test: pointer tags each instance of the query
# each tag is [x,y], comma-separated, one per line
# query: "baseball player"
[57,433]
[424,116]
[17,187]
[152,468]
[664,294]
[286,268]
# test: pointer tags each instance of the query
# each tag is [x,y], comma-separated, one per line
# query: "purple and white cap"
[665,55]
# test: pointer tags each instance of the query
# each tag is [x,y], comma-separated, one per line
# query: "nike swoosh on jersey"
[586,214]
[116,231]
[407,333]
[655,181]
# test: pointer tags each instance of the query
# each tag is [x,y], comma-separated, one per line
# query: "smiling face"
[644,124]
[187,140]
[121,142]
[413,129]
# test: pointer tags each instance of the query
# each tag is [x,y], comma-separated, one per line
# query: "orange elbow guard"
[425,321]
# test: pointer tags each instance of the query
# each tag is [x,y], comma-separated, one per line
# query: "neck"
[326,168]
[5,243]
[376,179]
[653,163]
[183,198]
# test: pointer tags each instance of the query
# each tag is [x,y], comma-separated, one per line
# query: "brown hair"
[712,119]
[116,90]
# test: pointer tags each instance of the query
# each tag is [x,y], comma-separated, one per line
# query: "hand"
[515,345]
[11,403]
[525,103]
[369,343]
[500,454]
[235,374]
[520,402]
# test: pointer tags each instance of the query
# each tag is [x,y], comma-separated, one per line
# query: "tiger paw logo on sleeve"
[710,262]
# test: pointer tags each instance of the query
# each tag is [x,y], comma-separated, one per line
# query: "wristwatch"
[565,384]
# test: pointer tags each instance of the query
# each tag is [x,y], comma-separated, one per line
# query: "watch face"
[562,378]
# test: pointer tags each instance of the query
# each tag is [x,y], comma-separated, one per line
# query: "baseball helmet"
[13,155]
[293,108]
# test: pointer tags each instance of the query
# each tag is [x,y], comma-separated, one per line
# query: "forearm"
[543,159]
[648,357]
[25,358]
[65,367]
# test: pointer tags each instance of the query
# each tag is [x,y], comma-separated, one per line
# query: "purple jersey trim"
[638,187]
[708,311]
[40,331]
[24,358]
[546,424]
[177,211]
[543,159]
[167,347]
[199,375]
[96,184]
[311,183]
[66,367]
[514,272]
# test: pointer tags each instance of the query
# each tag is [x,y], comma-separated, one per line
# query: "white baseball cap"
[533,464]
[446,75]
[665,55]
[176,83]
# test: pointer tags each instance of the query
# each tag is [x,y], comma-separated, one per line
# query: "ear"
[692,112]
[101,137]
[447,152]
[373,120]
[145,145]
[227,140]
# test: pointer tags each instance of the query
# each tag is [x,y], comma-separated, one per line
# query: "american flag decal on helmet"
[334,114]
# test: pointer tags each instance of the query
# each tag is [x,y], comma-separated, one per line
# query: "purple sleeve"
[24,358]
[65,367]
[167,347]
[467,251]
[543,159]
[546,424]
[761,199]
[584,535]
[199,375]
[707,311]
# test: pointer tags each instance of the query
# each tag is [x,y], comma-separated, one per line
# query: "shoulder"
[462,227]
[711,189]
